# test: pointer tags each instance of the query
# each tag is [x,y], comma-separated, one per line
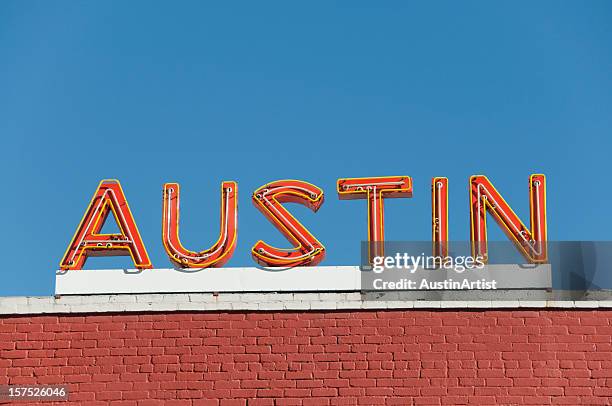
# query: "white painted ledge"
[299,279]
[296,289]
[259,302]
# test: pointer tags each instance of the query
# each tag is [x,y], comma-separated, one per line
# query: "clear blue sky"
[153,92]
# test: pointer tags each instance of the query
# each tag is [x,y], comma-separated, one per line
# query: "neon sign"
[221,251]
[530,241]
[375,190]
[268,199]
[88,241]
[308,251]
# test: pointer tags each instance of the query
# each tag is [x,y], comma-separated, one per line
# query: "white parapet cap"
[290,280]
[223,302]
[296,289]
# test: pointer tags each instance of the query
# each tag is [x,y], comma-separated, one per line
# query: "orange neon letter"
[88,241]
[375,190]
[439,215]
[221,251]
[530,242]
[268,199]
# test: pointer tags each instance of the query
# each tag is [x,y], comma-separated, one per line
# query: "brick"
[347,357]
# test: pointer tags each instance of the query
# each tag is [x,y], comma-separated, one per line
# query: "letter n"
[531,242]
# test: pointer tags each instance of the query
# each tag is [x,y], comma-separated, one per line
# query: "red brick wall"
[307,358]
